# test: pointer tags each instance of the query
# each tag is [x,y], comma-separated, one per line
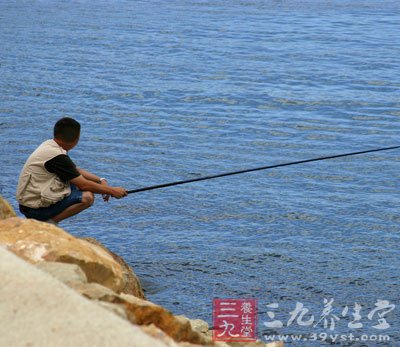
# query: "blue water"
[171,90]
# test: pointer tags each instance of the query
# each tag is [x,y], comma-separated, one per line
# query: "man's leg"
[87,201]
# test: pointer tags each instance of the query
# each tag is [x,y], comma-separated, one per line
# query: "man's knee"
[87,198]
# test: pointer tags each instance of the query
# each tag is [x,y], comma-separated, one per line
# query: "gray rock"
[6,210]
[115,308]
[66,273]
[197,324]
[38,310]
[95,291]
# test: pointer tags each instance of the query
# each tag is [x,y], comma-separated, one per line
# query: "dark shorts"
[46,213]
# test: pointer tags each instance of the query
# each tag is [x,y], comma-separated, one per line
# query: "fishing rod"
[158,186]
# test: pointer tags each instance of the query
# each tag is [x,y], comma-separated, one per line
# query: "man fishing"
[51,187]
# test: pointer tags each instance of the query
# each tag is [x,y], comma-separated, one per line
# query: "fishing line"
[257,169]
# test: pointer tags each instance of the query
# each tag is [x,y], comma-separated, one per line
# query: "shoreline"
[91,295]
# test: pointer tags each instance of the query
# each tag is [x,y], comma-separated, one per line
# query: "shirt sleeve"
[63,167]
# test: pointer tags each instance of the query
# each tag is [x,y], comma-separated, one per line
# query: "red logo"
[235,320]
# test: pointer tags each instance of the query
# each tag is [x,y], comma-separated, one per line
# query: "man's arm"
[88,175]
[89,185]
[92,177]
[64,168]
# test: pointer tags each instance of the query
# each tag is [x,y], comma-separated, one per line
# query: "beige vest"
[36,186]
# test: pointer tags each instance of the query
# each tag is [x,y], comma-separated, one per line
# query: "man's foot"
[50,221]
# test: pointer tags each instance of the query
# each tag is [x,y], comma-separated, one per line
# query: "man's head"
[67,132]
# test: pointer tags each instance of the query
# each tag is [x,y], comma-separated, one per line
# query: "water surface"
[174,90]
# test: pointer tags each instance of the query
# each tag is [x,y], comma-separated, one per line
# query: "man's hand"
[106,197]
[118,192]
[87,185]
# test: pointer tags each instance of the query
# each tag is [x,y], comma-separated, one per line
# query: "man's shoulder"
[45,143]
[49,147]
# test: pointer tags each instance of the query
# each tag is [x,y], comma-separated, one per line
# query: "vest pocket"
[54,191]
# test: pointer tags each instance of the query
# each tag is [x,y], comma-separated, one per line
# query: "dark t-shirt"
[63,167]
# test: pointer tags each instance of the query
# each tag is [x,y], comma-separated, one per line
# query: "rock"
[275,344]
[38,310]
[157,333]
[198,325]
[103,296]
[66,273]
[115,308]
[144,312]
[6,210]
[95,291]
[36,241]
[132,284]
[152,330]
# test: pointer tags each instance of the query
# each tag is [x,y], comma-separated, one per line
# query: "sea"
[181,89]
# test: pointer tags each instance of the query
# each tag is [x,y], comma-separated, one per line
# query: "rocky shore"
[59,290]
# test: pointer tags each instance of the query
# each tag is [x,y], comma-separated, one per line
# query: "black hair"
[67,129]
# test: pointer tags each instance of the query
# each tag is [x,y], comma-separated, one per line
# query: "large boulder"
[36,241]
[132,284]
[145,312]
[6,210]
[38,310]
[66,273]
